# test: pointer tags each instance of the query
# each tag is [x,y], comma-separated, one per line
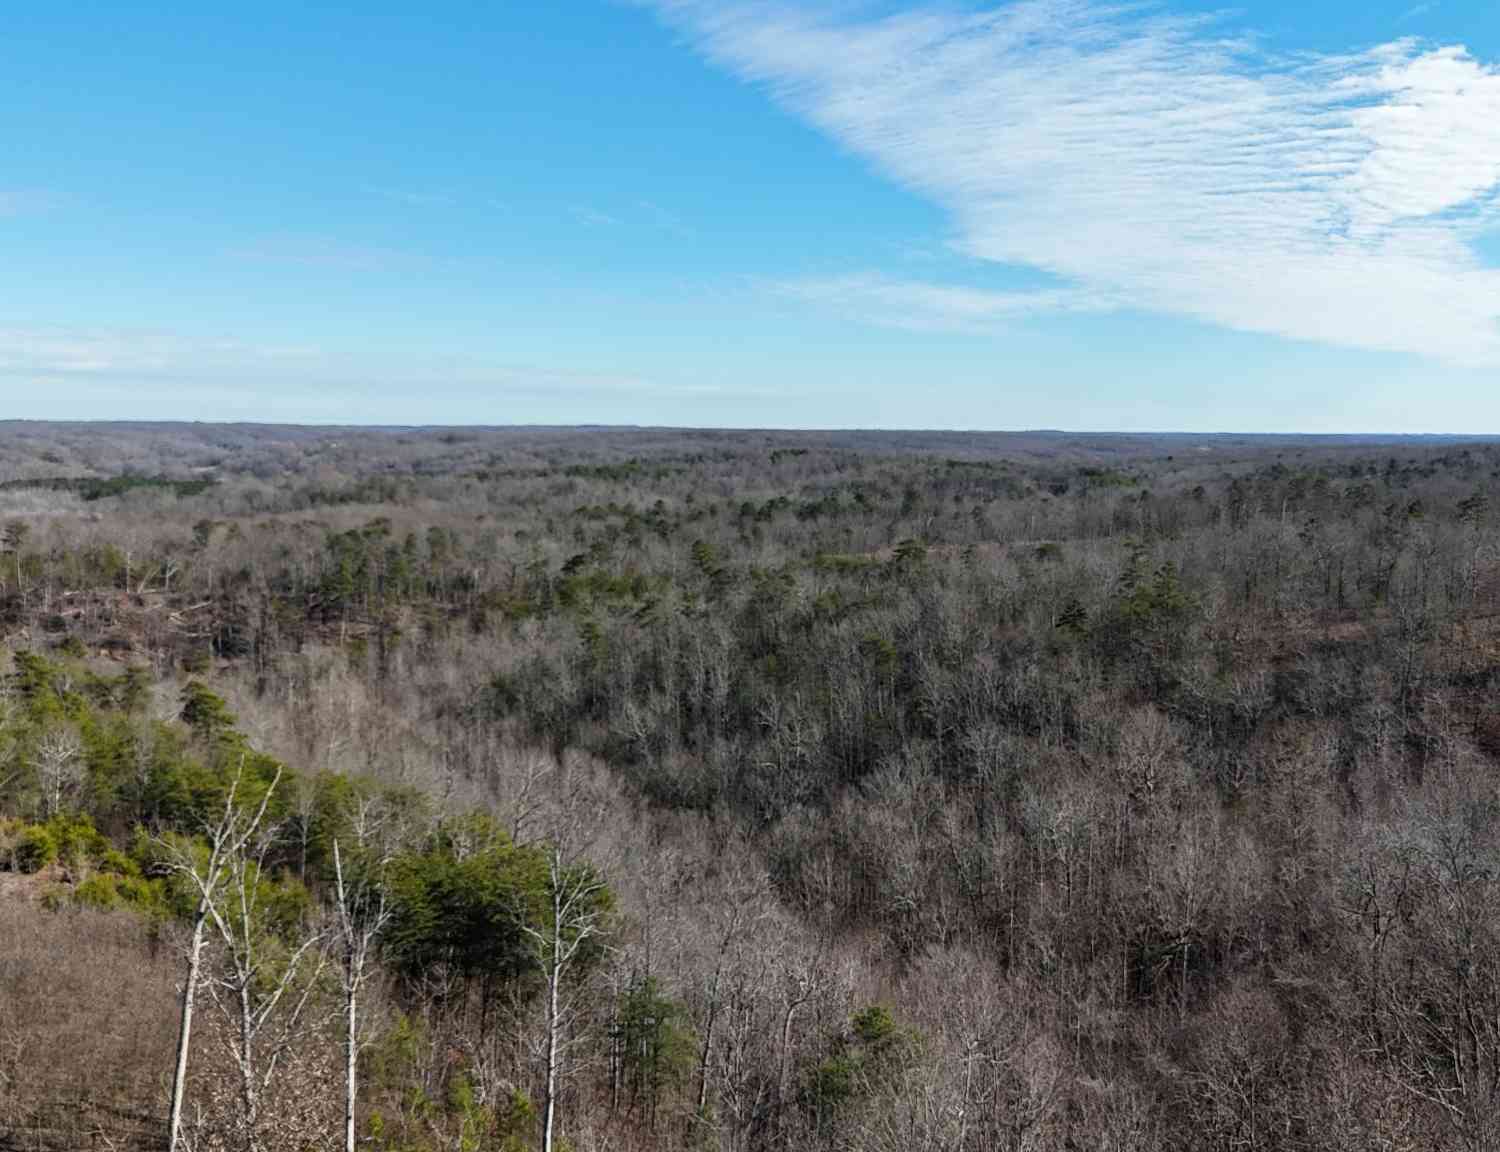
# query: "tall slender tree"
[362,912]
[207,876]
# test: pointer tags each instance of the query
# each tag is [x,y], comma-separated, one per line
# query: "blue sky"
[1049,214]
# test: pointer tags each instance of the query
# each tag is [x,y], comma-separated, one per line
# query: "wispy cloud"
[633,215]
[323,252]
[925,306]
[1158,162]
[18,201]
[73,358]
[592,217]
[131,353]
[432,198]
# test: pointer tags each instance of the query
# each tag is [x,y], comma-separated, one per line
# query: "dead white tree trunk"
[554,1031]
[185,1025]
[803,978]
[362,916]
[250,989]
[226,840]
[576,916]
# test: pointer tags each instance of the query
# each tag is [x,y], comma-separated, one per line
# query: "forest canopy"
[559,788]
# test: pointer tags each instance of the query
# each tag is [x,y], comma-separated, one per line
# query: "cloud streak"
[70,358]
[927,306]
[324,253]
[20,201]
[428,198]
[1154,161]
[136,353]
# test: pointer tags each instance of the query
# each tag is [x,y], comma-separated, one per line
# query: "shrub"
[76,839]
[116,863]
[108,890]
[874,1026]
[36,849]
[98,891]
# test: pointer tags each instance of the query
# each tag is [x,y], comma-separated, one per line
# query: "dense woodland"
[624,789]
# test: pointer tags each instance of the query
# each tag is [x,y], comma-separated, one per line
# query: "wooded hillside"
[644,789]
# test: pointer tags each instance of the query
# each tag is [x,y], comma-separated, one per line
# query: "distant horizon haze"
[812,432]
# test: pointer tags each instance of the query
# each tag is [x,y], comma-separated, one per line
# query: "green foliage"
[68,840]
[454,1116]
[463,902]
[1106,478]
[1158,602]
[112,890]
[585,588]
[34,677]
[389,1059]
[336,800]
[1049,551]
[839,564]
[204,712]
[473,1119]
[595,643]
[1073,619]
[874,1027]
[655,1044]
[829,1085]
[35,849]
[77,840]
[910,555]
[514,1122]
[283,903]
[627,470]
[873,1047]
[704,559]
[719,576]
[1148,616]
[102,487]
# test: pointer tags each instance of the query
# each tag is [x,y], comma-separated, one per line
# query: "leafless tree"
[264,985]
[60,768]
[208,876]
[363,911]
[575,917]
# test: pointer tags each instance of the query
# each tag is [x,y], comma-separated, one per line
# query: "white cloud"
[925,306]
[324,252]
[1154,161]
[592,217]
[420,197]
[42,352]
[67,360]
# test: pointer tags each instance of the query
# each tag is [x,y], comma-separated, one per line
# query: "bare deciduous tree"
[208,876]
[264,984]
[576,915]
[60,768]
[363,911]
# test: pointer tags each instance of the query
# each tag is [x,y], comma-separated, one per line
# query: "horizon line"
[605,426]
